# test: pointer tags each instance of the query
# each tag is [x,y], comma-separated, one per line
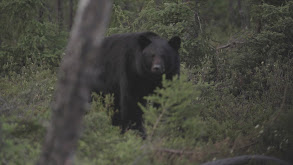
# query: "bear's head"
[159,56]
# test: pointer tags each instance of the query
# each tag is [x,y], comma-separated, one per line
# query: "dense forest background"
[234,96]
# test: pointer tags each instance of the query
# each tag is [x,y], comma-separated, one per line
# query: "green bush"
[172,111]
[102,143]
[27,39]
[24,113]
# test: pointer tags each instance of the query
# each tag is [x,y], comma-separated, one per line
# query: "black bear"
[131,66]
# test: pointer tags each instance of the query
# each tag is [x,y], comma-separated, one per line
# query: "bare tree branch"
[230,44]
[73,88]
[197,14]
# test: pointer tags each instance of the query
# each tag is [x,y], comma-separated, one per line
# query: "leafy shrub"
[172,111]
[27,39]
[102,143]
[24,113]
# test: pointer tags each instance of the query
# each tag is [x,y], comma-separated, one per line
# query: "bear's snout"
[158,69]
[158,65]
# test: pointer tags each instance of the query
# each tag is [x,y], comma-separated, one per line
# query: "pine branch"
[157,122]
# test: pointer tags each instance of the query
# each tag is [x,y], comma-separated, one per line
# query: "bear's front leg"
[131,114]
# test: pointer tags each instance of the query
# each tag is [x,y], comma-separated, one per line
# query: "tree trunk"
[60,14]
[231,11]
[246,14]
[41,13]
[240,13]
[73,88]
[50,11]
[243,14]
[1,135]
[197,17]
[70,14]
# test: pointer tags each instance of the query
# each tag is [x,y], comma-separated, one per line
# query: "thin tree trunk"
[70,14]
[50,10]
[197,16]
[41,13]
[60,14]
[231,11]
[246,20]
[1,134]
[73,88]
[243,14]
[240,13]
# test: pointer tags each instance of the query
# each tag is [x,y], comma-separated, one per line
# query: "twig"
[247,145]
[157,122]
[177,152]
[197,15]
[199,22]
[229,45]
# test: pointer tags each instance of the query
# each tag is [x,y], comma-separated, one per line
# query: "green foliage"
[21,141]
[276,31]
[246,69]
[24,113]
[169,19]
[251,83]
[101,142]
[26,38]
[173,112]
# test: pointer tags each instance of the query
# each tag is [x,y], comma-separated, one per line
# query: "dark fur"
[131,66]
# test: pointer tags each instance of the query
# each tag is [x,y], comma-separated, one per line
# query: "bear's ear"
[175,42]
[143,41]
